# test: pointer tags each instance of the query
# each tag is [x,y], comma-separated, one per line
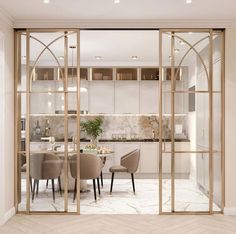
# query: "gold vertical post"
[78,121]
[27,121]
[66,121]
[210,84]
[223,120]
[172,123]
[160,122]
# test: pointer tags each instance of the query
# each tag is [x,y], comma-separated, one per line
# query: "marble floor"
[122,201]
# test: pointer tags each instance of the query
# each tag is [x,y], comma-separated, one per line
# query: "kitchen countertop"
[113,140]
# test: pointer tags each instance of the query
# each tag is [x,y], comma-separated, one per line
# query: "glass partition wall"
[194,89]
[47,94]
[168,103]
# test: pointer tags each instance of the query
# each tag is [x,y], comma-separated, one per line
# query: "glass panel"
[21,86]
[46,63]
[217,60]
[21,157]
[191,182]
[166,182]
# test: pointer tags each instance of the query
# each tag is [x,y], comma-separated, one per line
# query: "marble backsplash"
[140,127]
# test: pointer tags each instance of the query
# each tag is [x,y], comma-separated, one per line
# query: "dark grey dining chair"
[128,163]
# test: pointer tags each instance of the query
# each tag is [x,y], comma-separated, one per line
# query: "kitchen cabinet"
[149,157]
[149,97]
[101,97]
[127,97]
[182,160]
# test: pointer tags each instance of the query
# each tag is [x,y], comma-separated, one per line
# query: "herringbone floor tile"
[119,224]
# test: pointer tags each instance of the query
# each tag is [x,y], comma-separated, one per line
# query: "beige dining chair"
[90,168]
[128,163]
[45,167]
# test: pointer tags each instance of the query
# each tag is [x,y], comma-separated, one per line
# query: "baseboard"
[230,211]
[5,217]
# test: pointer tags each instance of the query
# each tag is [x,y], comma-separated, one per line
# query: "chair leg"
[31,186]
[99,191]
[75,190]
[47,184]
[59,184]
[112,178]
[94,189]
[101,179]
[33,191]
[37,191]
[132,177]
[53,190]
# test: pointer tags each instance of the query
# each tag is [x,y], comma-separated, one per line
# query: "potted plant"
[92,128]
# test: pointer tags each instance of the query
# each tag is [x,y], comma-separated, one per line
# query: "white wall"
[230,122]
[6,120]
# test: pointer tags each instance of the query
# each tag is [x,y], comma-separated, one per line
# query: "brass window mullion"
[78,120]
[66,121]
[27,122]
[172,123]
[160,122]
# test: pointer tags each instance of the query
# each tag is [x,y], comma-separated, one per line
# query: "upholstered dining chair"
[45,166]
[90,168]
[128,163]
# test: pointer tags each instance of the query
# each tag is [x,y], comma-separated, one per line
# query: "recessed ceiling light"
[134,57]
[176,51]
[98,57]
[46,1]
[61,57]
[116,1]
[181,42]
[189,1]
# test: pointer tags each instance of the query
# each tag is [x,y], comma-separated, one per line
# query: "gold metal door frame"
[173,91]
[28,91]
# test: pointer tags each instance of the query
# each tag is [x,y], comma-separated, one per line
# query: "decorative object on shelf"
[47,128]
[37,129]
[92,128]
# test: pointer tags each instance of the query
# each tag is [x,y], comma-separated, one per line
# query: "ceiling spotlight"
[181,42]
[98,57]
[176,51]
[116,1]
[189,1]
[46,1]
[134,57]
[61,57]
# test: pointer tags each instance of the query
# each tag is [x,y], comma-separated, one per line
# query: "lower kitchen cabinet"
[122,148]
[149,160]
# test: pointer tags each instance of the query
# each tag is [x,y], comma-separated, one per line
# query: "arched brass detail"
[191,48]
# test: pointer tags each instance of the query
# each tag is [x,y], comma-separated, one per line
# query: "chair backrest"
[131,160]
[90,166]
[45,166]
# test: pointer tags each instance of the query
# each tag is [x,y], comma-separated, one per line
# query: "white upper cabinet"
[101,97]
[149,100]
[127,97]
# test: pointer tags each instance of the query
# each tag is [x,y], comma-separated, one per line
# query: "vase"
[94,141]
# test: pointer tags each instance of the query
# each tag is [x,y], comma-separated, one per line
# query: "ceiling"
[125,10]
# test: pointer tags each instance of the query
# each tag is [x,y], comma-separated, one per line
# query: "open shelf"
[126,74]
[43,73]
[102,74]
[72,73]
[149,73]
[168,73]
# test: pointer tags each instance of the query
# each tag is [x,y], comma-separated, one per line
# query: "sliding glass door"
[47,100]
[191,121]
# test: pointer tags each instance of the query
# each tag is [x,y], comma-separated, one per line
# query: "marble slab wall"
[140,127]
